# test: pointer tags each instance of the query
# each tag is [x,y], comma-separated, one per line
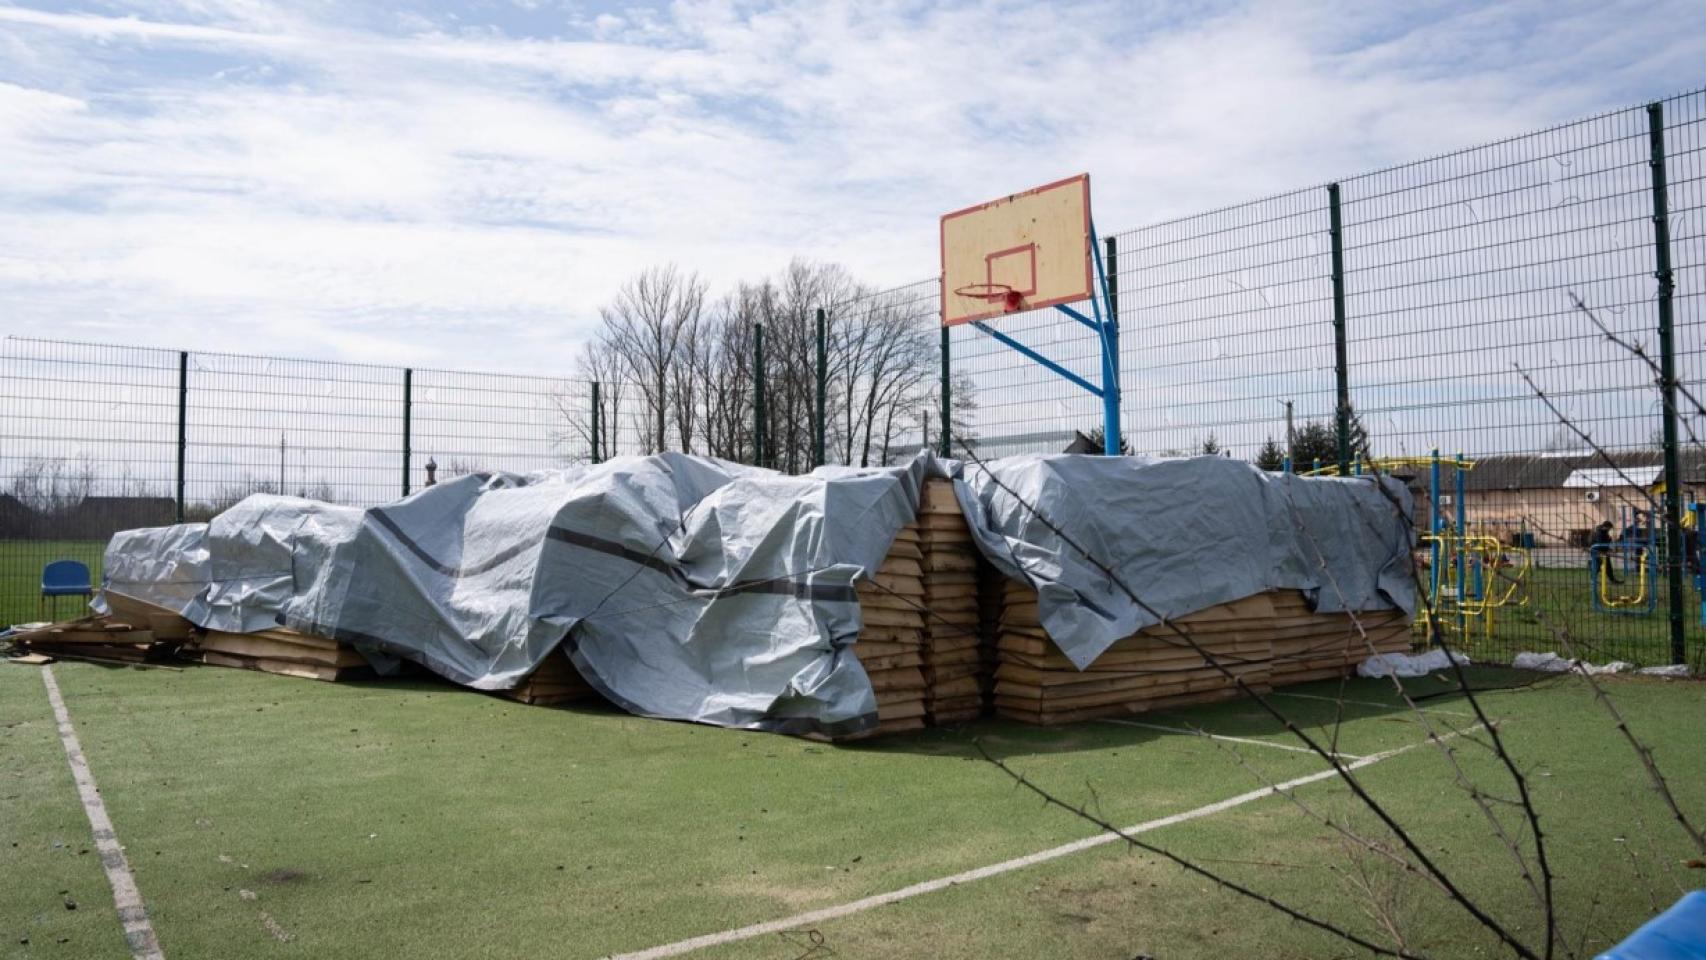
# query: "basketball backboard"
[1021,252]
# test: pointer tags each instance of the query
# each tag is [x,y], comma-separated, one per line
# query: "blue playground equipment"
[63,578]
[1697,554]
[1636,553]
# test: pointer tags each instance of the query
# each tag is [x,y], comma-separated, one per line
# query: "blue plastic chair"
[64,578]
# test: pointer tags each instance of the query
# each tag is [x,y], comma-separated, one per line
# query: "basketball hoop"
[1002,293]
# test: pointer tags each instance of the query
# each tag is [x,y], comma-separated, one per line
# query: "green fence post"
[947,399]
[822,388]
[758,394]
[1341,367]
[1667,382]
[597,423]
[408,424]
[183,423]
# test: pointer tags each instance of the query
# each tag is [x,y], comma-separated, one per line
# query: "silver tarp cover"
[695,589]
[1183,534]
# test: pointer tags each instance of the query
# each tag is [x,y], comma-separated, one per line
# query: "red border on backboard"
[942,252]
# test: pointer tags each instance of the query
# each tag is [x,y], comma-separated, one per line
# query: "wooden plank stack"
[1267,640]
[954,668]
[284,652]
[98,639]
[1151,669]
[554,681]
[891,643]
[163,623]
[1323,646]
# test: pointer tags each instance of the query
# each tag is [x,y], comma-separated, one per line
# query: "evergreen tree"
[1098,436]
[1270,457]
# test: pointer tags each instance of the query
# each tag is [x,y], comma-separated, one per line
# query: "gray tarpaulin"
[1183,534]
[685,587]
[696,589]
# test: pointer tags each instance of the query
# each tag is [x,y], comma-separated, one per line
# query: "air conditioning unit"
[1445,499]
[1593,496]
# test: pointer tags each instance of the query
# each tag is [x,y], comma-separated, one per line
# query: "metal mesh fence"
[1462,333]
[93,436]
[1461,277]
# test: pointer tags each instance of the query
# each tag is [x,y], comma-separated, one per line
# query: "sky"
[461,185]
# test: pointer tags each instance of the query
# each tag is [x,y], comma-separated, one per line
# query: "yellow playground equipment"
[1471,573]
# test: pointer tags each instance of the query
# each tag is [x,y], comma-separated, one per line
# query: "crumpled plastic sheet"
[1182,535]
[696,589]
[1409,664]
[685,587]
[1550,662]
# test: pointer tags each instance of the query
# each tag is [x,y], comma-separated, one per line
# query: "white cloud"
[274,178]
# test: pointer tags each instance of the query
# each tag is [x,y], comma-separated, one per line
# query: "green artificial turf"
[21,563]
[273,817]
[54,897]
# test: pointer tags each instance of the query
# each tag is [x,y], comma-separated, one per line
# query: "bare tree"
[643,328]
[722,362]
[52,486]
[599,364]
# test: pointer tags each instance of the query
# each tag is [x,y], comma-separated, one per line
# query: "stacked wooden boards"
[954,668]
[1264,640]
[99,639]
[891,642]
[284,652]
[554,681]
[1323,646]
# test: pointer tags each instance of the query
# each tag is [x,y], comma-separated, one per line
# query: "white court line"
[808,918]
[1221,736]
[138,931]
[1374,703]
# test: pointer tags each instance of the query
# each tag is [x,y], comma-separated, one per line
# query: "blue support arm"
[1039,358]
[1081,318]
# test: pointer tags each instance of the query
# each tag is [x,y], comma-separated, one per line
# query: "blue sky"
[462,184]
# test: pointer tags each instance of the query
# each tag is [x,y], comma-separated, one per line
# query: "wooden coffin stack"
[1322,646]
[891,643]
[1267,640]
[953,654]
[554,681]
[284,652]
[1151,669]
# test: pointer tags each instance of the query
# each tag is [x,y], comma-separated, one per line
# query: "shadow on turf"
[1366,699]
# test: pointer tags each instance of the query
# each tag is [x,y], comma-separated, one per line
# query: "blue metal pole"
[1286,467]
[1108,274]
[1433,531]
[1458,543]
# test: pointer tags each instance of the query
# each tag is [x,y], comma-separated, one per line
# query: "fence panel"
[330,431]
[1460,274]
[89,448]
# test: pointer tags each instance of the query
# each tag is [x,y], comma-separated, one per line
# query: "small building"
[1557,498]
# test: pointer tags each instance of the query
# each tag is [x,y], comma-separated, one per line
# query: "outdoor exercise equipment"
[1472,573]
[1636,550]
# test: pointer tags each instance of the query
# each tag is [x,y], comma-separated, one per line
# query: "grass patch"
[54,900]
[21,562]
[266,816]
